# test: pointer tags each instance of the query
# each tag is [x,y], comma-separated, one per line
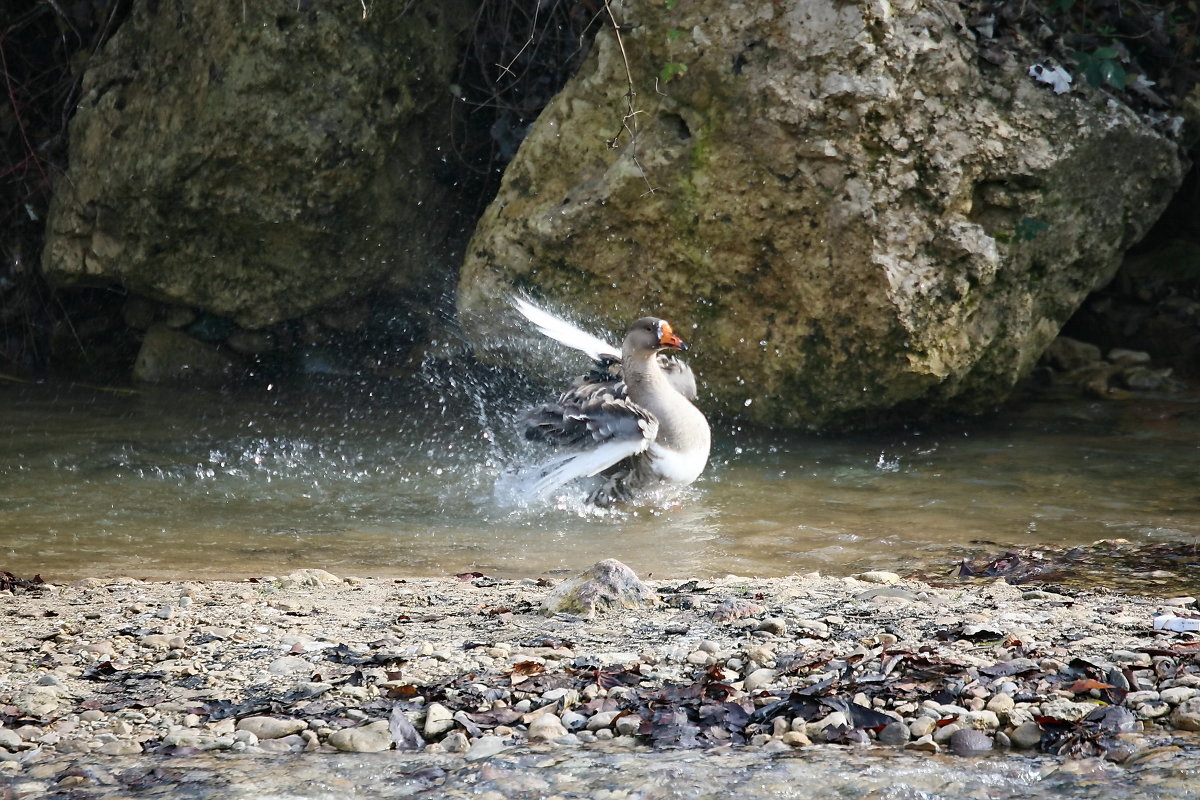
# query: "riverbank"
[467,670]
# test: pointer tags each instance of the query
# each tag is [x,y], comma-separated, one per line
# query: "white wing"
[558,472]
[562,331]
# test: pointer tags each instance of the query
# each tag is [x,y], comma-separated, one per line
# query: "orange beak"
[667,338]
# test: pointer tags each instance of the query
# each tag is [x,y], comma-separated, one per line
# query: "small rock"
[120,747]
[759,679]
[486,747]
[317,578]
[546,728]
[601,719]
[10,740]
[1187,716]
[1026,736]
[943,734]
[271,727]
[878,576]
[1061,708]
[372,738]
[606,584]
[1001,705]
[438,720]
[970,741]
[628,725]
[924,744]
[286,665]
[922,726]
[894,734]
[773,625]
[1179,694]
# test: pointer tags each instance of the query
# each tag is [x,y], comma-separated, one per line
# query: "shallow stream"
[397,479]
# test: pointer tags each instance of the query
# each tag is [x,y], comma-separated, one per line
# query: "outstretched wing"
[562,331]
[603,433]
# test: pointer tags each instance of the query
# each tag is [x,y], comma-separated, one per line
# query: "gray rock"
[922,726]
[204,173]
[546,728]
[1179,694]
[970,741]
[1026,736]
[950,309]
[1001,705]
[485,747]
[759,679]
[878,576]
[606,584]
[168,356]
[271,727]
[894,733]
[286,665]
[120,747]
[1187,716]
[628,725]
[10,740]
[438,720]
[371,738]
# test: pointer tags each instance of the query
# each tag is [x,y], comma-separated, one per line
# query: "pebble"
[1187,716]
[545,728]
[970,741]
[878,576]
[759,679]
[923,725]
[371,738]
[486,747]
[628,725]
[10,739]
[286,665]
[438,720]
[271,727]
[894,733]
[1178,694]
[1026,736]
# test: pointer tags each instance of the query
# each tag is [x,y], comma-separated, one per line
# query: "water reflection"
[363,479]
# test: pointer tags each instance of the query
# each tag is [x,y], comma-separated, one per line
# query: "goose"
[630,420]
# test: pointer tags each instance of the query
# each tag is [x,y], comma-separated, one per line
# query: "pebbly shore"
[468,668]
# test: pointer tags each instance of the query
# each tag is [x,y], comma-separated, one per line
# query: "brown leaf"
[466,577]
[1086,685]
[524,670]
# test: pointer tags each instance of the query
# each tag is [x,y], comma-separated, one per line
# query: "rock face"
[261,165]
[858,214]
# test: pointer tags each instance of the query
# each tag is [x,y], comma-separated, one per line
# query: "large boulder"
[858,215]
[257,164]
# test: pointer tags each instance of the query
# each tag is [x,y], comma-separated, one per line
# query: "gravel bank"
[470,669]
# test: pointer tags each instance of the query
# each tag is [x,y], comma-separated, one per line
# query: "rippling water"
[398,479]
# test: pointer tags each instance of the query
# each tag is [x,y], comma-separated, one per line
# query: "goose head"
[651,335]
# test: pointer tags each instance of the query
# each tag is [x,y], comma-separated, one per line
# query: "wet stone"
[371,738]
[1026,736]
[271,727]
[970,741]
[894,733]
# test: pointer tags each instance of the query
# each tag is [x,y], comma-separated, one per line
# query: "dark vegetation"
[519,55]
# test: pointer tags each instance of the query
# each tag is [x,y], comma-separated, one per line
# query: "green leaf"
[674,34]
[671,70]
[1113,73]
[670,4]
[1104,52]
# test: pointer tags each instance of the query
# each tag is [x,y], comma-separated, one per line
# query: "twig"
[626,120]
